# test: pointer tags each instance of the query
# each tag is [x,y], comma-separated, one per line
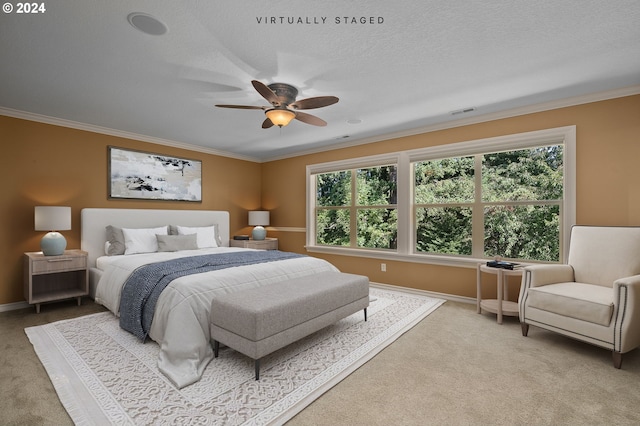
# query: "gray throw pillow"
[115,238]
[177,242]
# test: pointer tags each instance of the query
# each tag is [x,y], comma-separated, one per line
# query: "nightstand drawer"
[58,263]
[263,245]
[266,244]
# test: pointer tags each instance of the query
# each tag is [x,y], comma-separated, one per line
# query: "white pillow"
[142,240]
[206,235]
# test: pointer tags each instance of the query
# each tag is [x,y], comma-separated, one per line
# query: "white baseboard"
[452,297]
[13,306]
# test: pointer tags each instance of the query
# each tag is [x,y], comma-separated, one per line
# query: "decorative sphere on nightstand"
[259,233]
[53,244]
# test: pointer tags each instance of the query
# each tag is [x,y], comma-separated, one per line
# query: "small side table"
[53,278]
[498,306]
[266,244]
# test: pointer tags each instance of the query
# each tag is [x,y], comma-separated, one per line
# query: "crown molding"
[24,115]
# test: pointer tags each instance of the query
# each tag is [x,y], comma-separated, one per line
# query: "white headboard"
[94,223]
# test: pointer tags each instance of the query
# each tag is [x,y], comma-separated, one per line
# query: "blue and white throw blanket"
[143,287]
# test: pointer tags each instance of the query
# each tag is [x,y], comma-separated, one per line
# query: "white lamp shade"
[259,217]
[52,218]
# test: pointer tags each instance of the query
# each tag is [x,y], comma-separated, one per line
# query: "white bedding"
[181,320]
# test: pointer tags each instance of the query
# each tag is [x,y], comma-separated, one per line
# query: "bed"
[180,322]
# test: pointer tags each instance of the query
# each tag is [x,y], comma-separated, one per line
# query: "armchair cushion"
[586,302]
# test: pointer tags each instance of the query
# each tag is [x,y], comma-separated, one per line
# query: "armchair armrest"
[633,281]
[627,300]
[539,275]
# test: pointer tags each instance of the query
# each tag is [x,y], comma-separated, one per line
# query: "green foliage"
[521,195]
[522,232]
[377,186]
[333,189]
[378,228]
[531,231]
[528,230]
[333,227]
[531,174]
[444,230]
[449,180]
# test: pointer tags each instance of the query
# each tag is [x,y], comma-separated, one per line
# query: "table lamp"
[259,219]
[53,219]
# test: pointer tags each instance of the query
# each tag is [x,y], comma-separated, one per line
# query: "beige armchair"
[594,298]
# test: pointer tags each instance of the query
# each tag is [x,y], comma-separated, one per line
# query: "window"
[444,197]
[357,208]
[511,196]
[515,202]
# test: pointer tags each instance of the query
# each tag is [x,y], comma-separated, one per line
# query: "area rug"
[104,375]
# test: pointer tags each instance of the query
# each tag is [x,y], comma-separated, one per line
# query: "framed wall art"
[149,176]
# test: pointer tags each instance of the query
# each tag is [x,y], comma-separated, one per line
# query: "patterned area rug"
[104,375]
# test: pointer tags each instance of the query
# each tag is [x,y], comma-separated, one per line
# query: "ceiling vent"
[463,111]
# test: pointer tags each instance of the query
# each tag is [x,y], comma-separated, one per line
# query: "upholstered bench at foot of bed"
[262,320]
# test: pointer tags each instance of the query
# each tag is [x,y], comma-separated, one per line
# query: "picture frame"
[150,176]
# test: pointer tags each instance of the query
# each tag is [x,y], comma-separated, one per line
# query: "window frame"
[406,222]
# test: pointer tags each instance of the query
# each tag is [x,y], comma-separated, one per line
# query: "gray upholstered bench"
[261,320]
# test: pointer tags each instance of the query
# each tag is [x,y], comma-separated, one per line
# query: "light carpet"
[104,375]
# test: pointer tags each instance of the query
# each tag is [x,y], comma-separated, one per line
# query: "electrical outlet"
[383,267]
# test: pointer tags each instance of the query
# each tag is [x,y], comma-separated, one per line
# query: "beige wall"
[51,165]
[45,164]
[608,183]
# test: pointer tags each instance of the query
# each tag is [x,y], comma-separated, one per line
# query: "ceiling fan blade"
[317,102]
[266,93]
[310,119]
[267,123]
[242,107]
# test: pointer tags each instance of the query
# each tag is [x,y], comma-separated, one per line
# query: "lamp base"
[259,233]
[53,244]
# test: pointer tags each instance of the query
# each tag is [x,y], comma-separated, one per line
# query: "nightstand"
[266,244]
[53,278]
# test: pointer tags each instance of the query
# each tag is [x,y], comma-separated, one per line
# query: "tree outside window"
[518,196]
[357,208]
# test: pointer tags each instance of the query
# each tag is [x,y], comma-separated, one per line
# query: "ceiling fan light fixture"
[280,117]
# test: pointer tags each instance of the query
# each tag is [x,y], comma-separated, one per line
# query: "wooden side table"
[498,306]
[266,244]
[53,278]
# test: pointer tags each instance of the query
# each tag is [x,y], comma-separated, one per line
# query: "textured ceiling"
[408,67]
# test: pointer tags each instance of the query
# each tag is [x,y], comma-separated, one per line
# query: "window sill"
[459,262]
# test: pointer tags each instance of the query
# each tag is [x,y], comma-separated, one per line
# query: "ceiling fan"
[284,106]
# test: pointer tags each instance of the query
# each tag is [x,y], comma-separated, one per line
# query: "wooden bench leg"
[365,314]
[257,366]
[216,348]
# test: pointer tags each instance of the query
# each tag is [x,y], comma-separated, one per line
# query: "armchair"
[595,297]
